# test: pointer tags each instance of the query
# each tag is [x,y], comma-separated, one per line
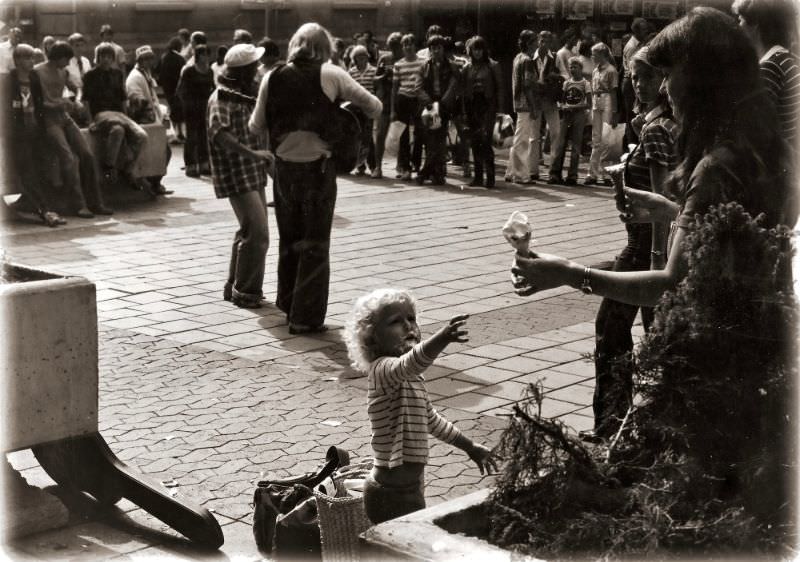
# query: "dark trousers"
[250,244]
[366,154]
[571,131]
[383,502]
[628,101]
[613,374]
[480,119]
[26,169]
[305,196]
[435,152]
[196,149]
[409,113]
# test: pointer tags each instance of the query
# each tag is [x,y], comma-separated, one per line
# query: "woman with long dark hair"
[730,146]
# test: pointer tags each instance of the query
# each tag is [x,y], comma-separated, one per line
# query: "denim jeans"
[572,125]
[250,244]
[613,374]
[195,151]
[305,195]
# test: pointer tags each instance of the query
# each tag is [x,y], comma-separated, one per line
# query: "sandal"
[51,219]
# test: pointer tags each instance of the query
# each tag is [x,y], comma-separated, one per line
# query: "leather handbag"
[285,522]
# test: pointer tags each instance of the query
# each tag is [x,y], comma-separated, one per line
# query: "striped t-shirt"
[400,413]
[365,78]
[781,76]
[408,74]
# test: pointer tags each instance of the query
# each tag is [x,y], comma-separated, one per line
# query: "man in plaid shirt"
[239,164]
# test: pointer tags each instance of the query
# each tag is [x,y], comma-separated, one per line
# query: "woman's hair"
[198,38]
[526,36]
[477,42]
[394,40]
[776,20]
[642,57]
[724,103]
[360,326]
[408,39]
[105,49]
[603,48]
[311,42]
[271,48]
[60,50]
[175,44]
[222,50]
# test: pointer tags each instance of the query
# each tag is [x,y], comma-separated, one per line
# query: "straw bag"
[342,517]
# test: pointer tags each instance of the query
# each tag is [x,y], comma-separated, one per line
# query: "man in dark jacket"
[169,74]
[23,133]
[439,85]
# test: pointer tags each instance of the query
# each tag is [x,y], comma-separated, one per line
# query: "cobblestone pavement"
[195,390]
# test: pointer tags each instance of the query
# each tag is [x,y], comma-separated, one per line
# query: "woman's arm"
[640,288]
[658,255]
[258,119]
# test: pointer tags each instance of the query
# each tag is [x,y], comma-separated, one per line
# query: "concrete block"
[48,359]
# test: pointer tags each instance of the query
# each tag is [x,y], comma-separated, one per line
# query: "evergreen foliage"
[704,460]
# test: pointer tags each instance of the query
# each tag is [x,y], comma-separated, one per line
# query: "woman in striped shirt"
[383,340]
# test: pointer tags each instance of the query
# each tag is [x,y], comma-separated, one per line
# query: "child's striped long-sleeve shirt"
[365,78]
[400,411]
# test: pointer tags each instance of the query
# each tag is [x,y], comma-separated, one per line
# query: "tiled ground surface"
[212,396]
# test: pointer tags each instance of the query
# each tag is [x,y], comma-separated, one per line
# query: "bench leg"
[87,464]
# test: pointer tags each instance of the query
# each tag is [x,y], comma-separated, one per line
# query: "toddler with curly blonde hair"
[383,341]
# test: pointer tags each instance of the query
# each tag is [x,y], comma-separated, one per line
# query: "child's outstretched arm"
[453,331]
[480,454]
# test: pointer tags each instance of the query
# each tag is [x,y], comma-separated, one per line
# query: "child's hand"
[484,458]
[455,331]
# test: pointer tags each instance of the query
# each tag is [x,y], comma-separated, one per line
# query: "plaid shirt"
[233,174]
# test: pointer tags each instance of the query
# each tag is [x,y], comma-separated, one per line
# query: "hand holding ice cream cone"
[518,233]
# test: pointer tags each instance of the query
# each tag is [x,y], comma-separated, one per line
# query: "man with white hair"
[295,104]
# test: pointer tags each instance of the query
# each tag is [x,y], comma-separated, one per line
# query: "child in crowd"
[406,88]
[364,73]
[577,99]
[604,110]
[383,340]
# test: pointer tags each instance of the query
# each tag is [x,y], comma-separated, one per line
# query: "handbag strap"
[335,458]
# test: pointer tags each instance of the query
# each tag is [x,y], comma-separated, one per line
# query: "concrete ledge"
[419,536]
[48,359]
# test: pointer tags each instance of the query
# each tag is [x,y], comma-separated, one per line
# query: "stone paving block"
[473,402]
[529,343]
[580,346]
[248,339]
[228,328]
[583,368]
[128,323]
[147,297]
[552,379]
[484,375]
[493,351]
[167,315]
[509,390]
[118,313]
[574,393]
[260,353]
[554,355]
[521,364]
[447,386]
[561,336]
[461,361]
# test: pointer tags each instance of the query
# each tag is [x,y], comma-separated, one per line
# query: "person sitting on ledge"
[104,95]
[74,156]
[23,132]
[143,104]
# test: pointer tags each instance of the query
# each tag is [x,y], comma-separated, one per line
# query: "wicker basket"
[342,518]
